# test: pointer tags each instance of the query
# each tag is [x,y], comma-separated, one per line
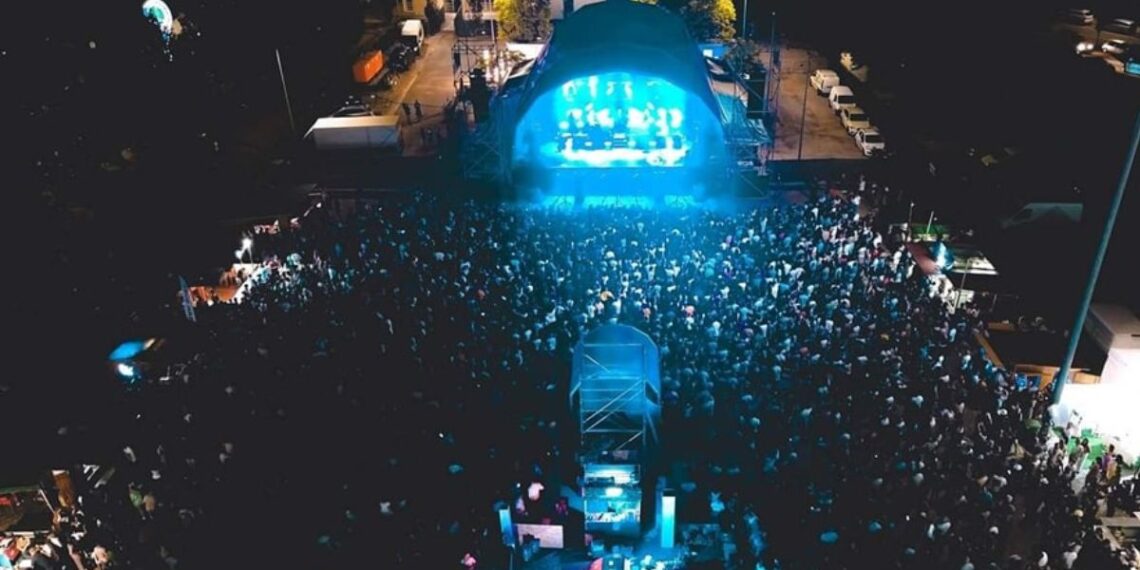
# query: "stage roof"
[620,36]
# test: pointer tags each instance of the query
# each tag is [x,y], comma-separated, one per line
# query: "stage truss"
[616,393]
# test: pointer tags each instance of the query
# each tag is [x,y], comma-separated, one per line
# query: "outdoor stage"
[618,104]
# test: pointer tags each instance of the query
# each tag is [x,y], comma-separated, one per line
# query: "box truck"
[380,132]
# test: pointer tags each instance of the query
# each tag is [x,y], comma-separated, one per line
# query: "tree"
[523,20]
[710,19]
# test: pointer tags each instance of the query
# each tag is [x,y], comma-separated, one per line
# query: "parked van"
[412,34]
[870,141]
[840,97]
[823,80]
[854,119]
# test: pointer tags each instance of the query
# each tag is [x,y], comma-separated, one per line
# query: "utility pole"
[909,217]
[285,88]
[744,21]
[803,112]
[1098,260]
[771,72]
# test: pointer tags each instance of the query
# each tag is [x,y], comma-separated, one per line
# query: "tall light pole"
[285,88]
[930,222]
[1098,260]
[909,217]
[744,21]
[803,112]
[769,74]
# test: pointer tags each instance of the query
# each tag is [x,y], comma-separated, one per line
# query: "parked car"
[354,111]
[854,119]
[823,80]
[1120,26]
[400,57]
[840,97]
[1114,47]
[870,141]
[1081,16]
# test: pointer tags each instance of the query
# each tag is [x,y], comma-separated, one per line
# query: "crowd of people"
[394,371]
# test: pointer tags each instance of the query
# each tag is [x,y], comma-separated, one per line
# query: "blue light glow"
[128,350]
[668,521]
[609,120]
[159,13]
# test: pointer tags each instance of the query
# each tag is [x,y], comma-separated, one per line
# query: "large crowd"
[393,372]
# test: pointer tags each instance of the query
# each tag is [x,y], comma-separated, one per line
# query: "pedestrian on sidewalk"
[419,111]
[431,136]
[407,111]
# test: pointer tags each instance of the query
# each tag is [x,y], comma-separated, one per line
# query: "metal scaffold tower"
[616,393]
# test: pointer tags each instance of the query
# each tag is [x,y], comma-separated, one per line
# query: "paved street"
[430,82]
[824,135]
[1089,34]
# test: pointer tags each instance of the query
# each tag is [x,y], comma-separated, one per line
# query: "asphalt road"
[823,134]
[429,81]
[1088,33]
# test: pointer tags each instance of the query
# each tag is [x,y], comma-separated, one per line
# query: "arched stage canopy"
[620,36]
[621,87]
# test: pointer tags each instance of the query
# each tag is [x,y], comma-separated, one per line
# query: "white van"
[823,80]
[870,141]
[840,97]
[412,33]
[854,119]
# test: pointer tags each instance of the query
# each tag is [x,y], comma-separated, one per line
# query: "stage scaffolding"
[615,393]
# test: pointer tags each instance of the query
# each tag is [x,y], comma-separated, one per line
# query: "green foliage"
[743,54]
[710,19]
[523,20]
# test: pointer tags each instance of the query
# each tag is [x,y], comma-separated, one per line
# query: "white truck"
[822,80]
[380,132]
[840,97]
[870,141]
[412,34]
[854,120]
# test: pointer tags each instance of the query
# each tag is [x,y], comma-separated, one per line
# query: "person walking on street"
[407,111]
[419,111]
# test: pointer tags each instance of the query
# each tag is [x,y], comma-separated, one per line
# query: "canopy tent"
[620,35]
[621,85]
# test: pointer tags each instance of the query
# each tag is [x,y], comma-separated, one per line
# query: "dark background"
[92,249]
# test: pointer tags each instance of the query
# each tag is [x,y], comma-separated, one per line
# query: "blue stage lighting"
[609,120]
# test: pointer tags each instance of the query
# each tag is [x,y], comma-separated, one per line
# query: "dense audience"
[393,372]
